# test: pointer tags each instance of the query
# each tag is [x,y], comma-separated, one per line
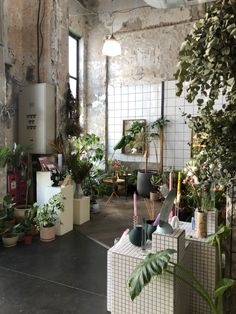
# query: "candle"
[170,181]
[156,222]
[135,204]
[59,161]
[178,186]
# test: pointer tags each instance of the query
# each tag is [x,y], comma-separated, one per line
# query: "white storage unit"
[37,117]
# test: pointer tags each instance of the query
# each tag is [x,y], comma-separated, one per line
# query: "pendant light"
[111,47]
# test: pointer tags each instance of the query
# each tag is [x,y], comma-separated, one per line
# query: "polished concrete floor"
[66,276]
[114,218]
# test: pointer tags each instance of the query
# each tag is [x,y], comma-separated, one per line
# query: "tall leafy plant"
[207,63]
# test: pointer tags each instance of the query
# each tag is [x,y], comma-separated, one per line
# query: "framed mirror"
[135,128]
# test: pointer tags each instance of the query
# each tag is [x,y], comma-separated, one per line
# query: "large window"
[74,64]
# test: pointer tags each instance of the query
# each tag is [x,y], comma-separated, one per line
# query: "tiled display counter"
[165,294]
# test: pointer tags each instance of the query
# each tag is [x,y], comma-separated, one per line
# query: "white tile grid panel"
[204,268]
[159,292]
[110,292]
[175,241]
[183,293]
[131,102]
[144,102]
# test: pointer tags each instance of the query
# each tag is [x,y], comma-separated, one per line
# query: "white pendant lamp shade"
[111,47]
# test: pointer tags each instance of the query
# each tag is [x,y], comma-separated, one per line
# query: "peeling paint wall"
[150,40]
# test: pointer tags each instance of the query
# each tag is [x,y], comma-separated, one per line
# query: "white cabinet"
[36,117]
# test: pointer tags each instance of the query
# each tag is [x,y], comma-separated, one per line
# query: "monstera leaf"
[153,265]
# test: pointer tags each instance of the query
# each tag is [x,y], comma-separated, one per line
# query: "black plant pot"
[144,186]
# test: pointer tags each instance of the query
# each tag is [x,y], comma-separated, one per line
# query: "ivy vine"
[207,69]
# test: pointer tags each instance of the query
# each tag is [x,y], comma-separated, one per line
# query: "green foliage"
[158,125]
[153,265]
[48,214]
[136,128]
[207,63]
[84,151]
[155,181]
[13,158]
[8,207]
[156,264]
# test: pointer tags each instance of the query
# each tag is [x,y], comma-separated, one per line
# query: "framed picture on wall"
[136,146]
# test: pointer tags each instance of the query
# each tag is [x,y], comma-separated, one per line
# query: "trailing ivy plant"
[207,63]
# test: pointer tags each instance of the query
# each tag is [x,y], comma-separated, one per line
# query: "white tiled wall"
[144,102]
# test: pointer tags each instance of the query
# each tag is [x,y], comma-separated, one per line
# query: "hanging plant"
[207,64]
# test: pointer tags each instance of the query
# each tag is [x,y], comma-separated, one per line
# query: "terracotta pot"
[28,239]
[201,224]
[47,234]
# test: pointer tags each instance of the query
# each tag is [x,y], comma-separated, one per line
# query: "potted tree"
[151,133]
[48,215]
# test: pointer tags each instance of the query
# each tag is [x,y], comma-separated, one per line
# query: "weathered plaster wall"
[78,22]
[150,40]
[22,44]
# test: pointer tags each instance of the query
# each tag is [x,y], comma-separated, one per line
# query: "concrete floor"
[114,219]
[60,277]
[68,275]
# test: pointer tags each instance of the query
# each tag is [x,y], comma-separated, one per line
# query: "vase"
[200,224]
[150,228]
[78,191]
[135,235]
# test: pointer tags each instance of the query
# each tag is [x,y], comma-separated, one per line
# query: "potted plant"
[28,223]
[155,264]
[48,215]
[10,238]
[8,208]
[144,186]
[18,176]
[84,151]
[155,193]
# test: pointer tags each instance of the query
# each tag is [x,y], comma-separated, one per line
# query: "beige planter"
[10,239]
[47,234]
[19,212]
[153,196]
[201,224]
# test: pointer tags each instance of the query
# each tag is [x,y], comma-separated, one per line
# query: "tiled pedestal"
[165,294]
